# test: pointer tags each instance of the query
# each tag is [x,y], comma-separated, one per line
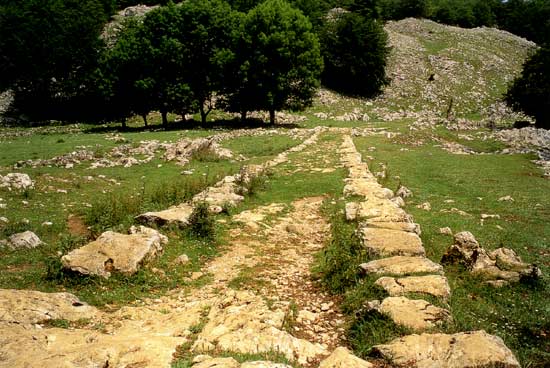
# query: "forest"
[236,55]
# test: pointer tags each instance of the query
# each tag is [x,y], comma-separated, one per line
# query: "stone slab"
[401,265]
[386,242]
[415,314]
[431,284]
[476,349]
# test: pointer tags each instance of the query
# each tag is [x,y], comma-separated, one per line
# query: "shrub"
[201,223]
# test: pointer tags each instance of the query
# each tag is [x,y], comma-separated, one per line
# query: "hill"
[433,64]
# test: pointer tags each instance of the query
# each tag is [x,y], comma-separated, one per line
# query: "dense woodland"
[235,55]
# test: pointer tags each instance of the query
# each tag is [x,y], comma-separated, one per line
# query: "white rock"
[26,239]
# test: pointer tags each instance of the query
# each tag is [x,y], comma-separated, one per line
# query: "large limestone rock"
[431,284]
[241,322]
[17,181]
[115,252]
[343,358]
[178,215]
[385,242]
[415,314]
[463,350]
[30,307]
[401,265]
[26,347]
[24,240]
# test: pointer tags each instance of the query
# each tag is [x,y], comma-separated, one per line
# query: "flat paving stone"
[386,242]
[431,284]
[401,266]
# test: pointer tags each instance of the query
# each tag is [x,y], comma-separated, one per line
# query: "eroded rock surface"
[115,252]
[242,322]
[29,307]
[462,350]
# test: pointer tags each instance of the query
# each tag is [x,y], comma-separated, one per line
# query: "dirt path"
[261,299]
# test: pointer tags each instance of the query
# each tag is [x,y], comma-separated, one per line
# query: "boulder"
[24,240]
[30,307]
[386,242]
[343,358]
[431,284]
[115,252]
[401,265]
[475,349]
[17,181]
[415,314]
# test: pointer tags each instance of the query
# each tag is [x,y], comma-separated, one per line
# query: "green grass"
[475,183]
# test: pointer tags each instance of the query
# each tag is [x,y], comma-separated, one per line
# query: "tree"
[207,32]
[48,49]
[530,92]
[279,61]
[355,51]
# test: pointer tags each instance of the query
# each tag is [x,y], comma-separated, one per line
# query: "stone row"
[390,236]
[123,253]
[226,192]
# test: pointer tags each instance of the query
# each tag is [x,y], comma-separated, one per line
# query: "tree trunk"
[164,115]
[243,116]
[272,116]
[123,124]
[203,114]
[144,117]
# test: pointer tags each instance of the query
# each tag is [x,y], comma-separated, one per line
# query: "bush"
[355,52]
[530,92]
[201,223]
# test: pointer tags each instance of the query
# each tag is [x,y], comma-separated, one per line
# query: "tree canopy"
[530,92]
[279,60]
[48,49]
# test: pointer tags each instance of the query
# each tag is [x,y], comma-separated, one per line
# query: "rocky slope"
[434,66]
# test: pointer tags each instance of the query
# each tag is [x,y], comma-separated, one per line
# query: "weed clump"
[201,222]
[337,264]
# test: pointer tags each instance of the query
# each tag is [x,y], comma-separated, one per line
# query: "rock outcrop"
[497,268]
[16,181]
[30,307]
